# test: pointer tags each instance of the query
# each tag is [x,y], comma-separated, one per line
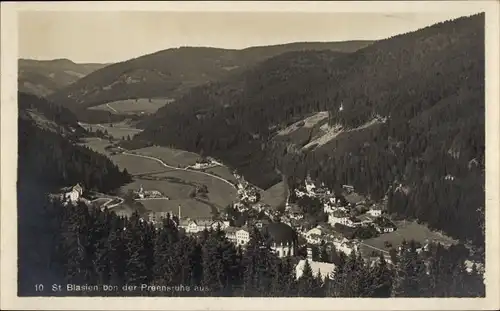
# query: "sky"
[111,36]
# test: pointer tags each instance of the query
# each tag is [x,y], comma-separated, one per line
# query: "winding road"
[109,200]
[177,168]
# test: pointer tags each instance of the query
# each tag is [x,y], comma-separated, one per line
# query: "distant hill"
[402,118]
[48,116]
[170,73]
[44,77]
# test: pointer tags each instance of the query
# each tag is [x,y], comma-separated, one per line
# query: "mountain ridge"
[435,74]
[173,71]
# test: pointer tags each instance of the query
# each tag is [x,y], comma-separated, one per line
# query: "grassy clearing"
[178,194]
[408,230]
[223,172]
[275,195]
[97,144]
[219,192]
[170,156]
[135,165]
[116,130]
[170,189]
[134,106]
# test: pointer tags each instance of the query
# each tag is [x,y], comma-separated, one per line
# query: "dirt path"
[114,110]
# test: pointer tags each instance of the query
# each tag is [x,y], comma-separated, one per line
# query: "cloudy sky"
[118,36]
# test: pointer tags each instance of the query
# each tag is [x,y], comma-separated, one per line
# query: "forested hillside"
[169,73]
[48,158]
[42,78]
[406,116]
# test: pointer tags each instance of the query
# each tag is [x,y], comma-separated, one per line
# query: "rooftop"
[354,198]
[280,232]
[323,268]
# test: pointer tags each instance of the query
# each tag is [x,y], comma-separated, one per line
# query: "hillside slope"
[169,73]
[49,158]
[403,113]
[42,78]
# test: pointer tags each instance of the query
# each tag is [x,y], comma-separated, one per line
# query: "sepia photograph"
[185,151]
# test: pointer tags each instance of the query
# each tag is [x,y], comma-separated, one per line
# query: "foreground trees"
[97,247]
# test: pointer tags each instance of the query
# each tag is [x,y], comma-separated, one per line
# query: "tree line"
[98,247]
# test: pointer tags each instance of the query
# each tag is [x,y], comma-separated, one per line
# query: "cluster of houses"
[350,209]
[148,194]
[247,194]
[205,163]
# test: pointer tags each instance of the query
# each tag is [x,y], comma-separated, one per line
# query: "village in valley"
[342,222]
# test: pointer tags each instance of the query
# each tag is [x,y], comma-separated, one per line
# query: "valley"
[267,170]
[168,171]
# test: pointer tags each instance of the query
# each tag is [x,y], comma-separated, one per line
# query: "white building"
[74,193]
[198,225]
[375,211]
[325,269]
[283,239]
[345,246]
[338,217]
[313,236]
[300,193]
[238,236]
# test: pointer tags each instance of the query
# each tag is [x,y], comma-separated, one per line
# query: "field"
[223,172]
[170,156]
[134,106]
[178,194]
[219,192]
[97,144]
[175,184]
[170,189]
[135,165]
[117,130]
[275,195]
[407,230]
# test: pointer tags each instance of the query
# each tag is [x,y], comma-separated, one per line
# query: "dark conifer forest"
[97,247]
[411,110]
[48,159]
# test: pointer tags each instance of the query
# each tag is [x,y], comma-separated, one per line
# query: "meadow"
[97,144]
[175,184]
[223,172]
[407,230]
[275,195]
[219,192]
[116,130]
[135,165]
[170,156]
[134,106]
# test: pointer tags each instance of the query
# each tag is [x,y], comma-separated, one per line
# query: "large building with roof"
[283,239]
[325,269]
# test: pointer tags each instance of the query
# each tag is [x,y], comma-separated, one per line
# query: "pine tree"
[411,276]
[307,282]
[382,279]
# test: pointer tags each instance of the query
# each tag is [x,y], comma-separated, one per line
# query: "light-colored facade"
[374,212]
[313,236]
[237,236]
[338,218]
[74,194]
[283,250]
